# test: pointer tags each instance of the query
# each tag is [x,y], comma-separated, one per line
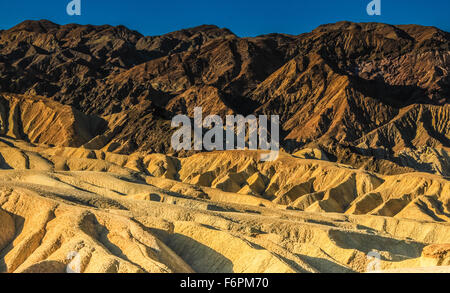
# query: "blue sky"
[243,17]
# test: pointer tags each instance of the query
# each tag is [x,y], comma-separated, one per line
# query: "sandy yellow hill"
[95,211]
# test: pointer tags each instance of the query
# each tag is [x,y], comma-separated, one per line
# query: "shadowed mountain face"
[88,181]
[370,95]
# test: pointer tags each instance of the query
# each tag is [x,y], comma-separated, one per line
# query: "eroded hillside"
[216,212]
[369,95]
[89,181]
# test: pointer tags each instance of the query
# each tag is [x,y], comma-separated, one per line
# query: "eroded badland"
[87,168]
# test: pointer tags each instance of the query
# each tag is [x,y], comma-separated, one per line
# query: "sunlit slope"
[157,213]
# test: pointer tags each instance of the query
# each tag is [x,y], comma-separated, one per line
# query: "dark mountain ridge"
[366,94]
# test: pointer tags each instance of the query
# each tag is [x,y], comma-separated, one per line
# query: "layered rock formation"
[370,95]
[91,211]
[89,182]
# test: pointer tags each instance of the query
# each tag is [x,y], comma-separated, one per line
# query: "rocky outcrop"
[289,182]
[43,121]
[79,210]
[89,182]
[370,95]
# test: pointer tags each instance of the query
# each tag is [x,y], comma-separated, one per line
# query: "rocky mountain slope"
[92,211]
[369,95]
[89,182]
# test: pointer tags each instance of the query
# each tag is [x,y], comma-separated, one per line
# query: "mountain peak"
[36,26]
[340,69]
[206,29]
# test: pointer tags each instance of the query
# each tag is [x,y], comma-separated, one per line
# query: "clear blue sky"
[243,17]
